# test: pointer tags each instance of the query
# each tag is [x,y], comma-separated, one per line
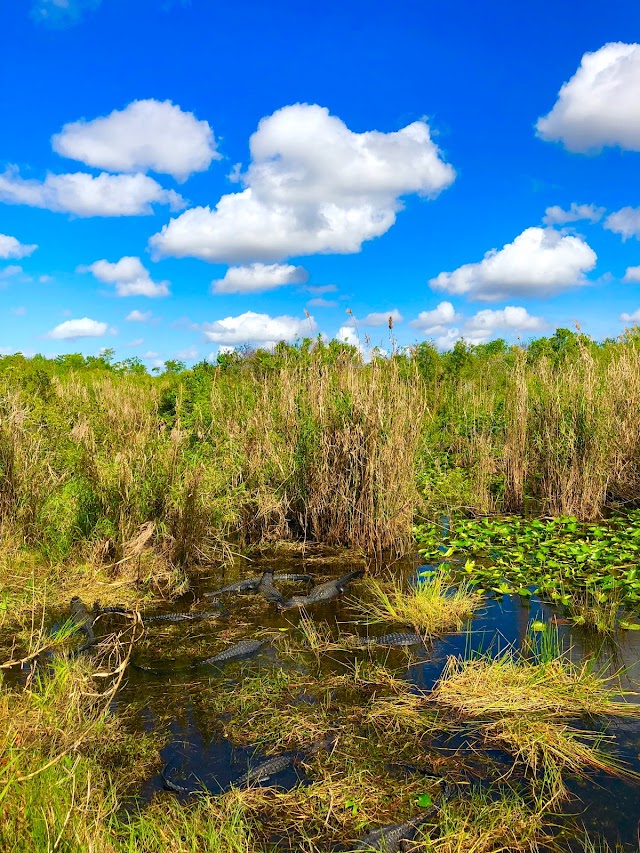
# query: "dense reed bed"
[309,442]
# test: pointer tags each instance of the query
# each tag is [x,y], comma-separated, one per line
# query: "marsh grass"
[511,685]
[528,706]
[595,611]
[432,607]
[493,821]
[218,825]
[60,744]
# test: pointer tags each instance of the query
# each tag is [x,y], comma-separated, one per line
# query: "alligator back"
[239,650]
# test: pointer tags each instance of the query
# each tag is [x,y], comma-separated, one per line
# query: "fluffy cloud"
[434,322]
[84,328]
[12,248]
[61,13]
[484,324]
[625,222]
[557,216]
[381,318]
[257,328]
[631,318]
[149,134]
[255,278]
[540,261]
[129,276]
[477,329]
[86,195]
[139,316]
[599,106]
[348,335]
[632,274]
[313,186]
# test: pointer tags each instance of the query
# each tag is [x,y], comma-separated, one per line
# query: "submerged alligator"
[242,649]
[81,617]
[262,772]
[238,650]
[396,640]
[182,617]
[251,584]
[323,592]
[267,588]
[391,838]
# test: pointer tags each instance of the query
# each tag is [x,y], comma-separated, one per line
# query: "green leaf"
[424,801]
[538,626]
[629,626]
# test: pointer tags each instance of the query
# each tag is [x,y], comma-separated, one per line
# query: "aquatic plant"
[589,568]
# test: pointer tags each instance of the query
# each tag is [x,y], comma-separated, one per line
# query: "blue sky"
[197,175]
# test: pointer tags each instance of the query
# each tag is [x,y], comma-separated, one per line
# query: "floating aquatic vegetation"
[593,569]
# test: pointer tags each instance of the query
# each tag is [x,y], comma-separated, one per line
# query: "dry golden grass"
[508,685]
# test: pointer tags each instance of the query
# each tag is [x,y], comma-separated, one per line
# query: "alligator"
[170,785]
[391,838]
[272,766]
[268,590]
[239,650]
[396,640]
[82,619]
[182,617]
[252,583]
[266,769]
[323,592]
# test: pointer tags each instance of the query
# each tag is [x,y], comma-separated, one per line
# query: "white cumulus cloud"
[484,324]
[129,276]
[255,278]
[625,222]
[539,262]
[599,106]
[381,318]
[139,316]
[313,186]
[435,322]
[632,274]
[10,247]
[348,335]
[557,216]
[631,318]
[251,327]
[146,135]
[83,328]
[85,195]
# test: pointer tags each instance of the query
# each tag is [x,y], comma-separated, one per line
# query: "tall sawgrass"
[308,443]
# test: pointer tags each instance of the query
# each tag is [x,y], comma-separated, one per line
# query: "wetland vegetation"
[489,494]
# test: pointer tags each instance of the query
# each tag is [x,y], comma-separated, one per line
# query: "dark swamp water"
[173,700]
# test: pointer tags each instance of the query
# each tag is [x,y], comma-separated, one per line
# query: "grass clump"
[492,822]
[431,607]
[510,684]
[527,707]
